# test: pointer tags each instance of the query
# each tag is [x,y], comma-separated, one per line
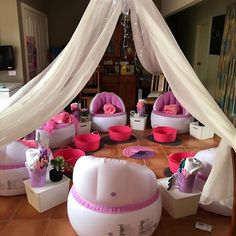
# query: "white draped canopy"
[53,89]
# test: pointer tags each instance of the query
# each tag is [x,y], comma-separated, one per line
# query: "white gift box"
[138,123]
[176,203]
[48,196]
[200,132]
[84,127]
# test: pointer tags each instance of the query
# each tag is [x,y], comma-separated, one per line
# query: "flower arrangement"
[37,159]
[74,106]
[141,107]
[75,109]
[37,162]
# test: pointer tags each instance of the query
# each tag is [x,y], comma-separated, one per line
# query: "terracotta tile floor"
[18,218]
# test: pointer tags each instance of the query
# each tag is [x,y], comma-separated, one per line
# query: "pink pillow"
[171,109]
[109,108]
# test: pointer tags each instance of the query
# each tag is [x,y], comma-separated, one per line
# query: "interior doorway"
[35,33]
[201,51]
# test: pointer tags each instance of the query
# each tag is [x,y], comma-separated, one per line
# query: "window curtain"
[53,89]
[226,94]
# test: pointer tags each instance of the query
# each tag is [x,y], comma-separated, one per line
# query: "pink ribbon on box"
[61,120]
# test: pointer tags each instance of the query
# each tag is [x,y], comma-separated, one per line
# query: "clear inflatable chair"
[179,118]
[101,121]
[110,196]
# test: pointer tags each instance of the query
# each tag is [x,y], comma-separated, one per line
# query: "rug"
[139,152]
[107,140]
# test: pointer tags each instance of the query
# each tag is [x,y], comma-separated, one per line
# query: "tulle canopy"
[53,89]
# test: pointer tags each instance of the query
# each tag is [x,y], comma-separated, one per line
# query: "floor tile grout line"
[16,209]
[10,219]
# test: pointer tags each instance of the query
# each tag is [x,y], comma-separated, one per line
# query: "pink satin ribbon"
[113,210]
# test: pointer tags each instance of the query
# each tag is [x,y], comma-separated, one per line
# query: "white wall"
[169,7]
[9,34]
[187,23]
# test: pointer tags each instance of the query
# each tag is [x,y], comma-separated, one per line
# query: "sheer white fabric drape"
[193,96]
[53,89]
[48,93]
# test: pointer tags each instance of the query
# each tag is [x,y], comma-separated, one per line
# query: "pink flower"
[74,106]
[140,104]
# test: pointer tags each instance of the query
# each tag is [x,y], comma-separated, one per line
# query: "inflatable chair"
[12,167]
[167,111]
[111,196]
[59,131]
[107,109]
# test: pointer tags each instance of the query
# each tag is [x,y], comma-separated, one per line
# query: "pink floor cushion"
[167,111]
[174,159]
[120,133]
[164,134]
[107,109]
[112,195]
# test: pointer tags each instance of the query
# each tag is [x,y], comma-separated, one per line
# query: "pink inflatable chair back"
[167,99]
[98,102]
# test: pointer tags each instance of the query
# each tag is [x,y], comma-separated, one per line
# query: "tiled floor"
[18,218]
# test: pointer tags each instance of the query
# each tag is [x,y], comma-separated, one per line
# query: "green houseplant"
[58,165]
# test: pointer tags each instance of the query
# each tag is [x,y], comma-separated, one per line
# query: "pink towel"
[171,109]
[109,108]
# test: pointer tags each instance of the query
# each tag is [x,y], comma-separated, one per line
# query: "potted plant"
[56,173]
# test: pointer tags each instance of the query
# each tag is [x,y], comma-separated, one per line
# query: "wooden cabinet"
[120,48]
[110,83]
[112,80]
[123,86]
[112,50]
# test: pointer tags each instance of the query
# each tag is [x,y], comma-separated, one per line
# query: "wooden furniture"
[91,89]
[159,85]
[114,78]
[123,86]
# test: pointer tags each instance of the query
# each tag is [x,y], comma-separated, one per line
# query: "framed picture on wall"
[217,29]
